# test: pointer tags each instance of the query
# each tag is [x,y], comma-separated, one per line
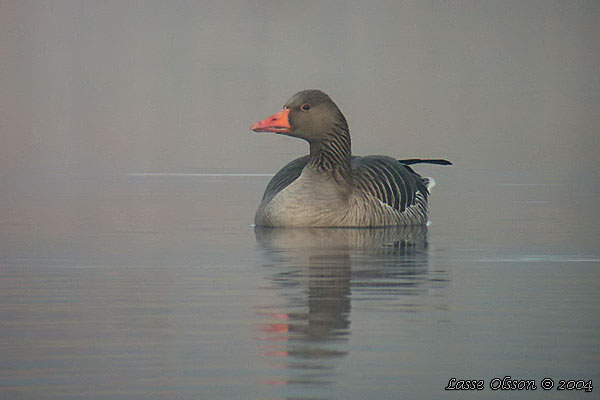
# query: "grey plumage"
[400,183]
[286,175]
[330,187]
[385,178]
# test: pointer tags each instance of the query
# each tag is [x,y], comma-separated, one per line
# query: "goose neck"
[331,153]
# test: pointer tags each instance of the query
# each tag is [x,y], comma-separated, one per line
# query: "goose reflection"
[315,273]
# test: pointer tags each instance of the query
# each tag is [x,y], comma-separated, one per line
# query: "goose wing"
[286,175]
[389,180]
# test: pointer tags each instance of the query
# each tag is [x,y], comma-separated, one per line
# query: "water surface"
[159,287]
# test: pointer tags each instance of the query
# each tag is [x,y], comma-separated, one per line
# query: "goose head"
[310,115]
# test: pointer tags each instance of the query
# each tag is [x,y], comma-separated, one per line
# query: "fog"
[119,86]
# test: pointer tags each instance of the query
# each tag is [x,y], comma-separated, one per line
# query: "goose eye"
[285,107]
[305,107]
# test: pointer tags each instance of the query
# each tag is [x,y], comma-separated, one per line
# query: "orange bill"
[276,123]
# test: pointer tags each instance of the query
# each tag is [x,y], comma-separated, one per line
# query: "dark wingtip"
[411,161]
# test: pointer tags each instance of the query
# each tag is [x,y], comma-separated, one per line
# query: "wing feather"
[284,177]
[375,184]
[390,181]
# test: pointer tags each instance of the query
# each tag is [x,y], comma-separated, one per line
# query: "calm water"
[129,180]
[159,287]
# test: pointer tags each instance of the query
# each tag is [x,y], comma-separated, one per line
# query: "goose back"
[390,181]
[387,192]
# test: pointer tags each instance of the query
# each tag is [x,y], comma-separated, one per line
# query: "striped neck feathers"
[332,152]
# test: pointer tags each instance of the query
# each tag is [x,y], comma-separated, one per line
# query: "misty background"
[124,86]
[128,264]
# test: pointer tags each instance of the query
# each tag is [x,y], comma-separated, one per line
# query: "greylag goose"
[330,187]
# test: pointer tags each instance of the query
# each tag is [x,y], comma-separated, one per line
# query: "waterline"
[194,174]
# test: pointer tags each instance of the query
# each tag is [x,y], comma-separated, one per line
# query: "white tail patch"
[430,183]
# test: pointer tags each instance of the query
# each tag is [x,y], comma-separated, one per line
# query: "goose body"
[330,187]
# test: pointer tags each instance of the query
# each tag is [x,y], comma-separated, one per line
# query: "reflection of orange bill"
[275,328]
